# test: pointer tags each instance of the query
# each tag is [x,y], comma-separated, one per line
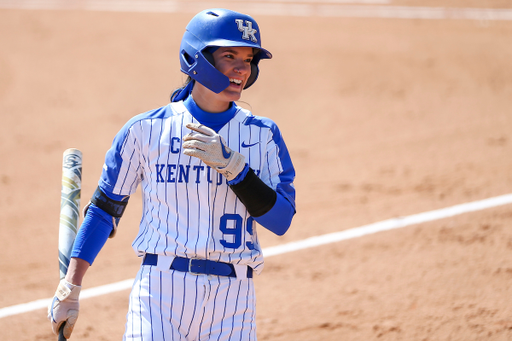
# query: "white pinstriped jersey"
[188,208]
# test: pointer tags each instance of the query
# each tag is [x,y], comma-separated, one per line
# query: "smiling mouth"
[235,81]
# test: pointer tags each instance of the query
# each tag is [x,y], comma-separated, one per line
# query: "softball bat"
[69,209]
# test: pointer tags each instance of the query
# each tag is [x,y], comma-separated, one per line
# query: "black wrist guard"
[257,197]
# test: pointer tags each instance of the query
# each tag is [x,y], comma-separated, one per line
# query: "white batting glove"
[205,144]
[64,307]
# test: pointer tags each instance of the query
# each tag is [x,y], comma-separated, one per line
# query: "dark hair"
[178,90]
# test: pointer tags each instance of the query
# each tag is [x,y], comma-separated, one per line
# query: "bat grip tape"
[113,207]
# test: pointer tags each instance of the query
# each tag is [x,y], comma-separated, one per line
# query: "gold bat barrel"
[69,205]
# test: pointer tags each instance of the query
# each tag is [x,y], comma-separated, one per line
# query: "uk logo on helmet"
[248,31]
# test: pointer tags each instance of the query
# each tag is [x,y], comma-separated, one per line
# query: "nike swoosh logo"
[225,153]
[248,145]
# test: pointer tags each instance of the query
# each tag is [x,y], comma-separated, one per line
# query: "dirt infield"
[383,118]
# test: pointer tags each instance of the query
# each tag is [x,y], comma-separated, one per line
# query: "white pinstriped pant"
[173,305]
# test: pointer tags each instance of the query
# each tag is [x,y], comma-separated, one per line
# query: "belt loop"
[164,263]
[241,271]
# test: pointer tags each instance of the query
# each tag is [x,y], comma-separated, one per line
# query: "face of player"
[234,63]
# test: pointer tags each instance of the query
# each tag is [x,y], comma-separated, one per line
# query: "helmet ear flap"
[187,58]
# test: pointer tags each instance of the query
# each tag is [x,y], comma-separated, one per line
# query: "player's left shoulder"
[247,118]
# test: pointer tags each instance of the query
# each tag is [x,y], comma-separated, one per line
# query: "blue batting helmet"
[218,28]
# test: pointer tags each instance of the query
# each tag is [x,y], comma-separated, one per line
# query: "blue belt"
[198,266]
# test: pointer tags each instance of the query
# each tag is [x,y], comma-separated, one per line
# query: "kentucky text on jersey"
[172,173]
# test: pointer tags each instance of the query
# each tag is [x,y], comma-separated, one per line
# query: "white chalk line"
[300,8]
[361,231]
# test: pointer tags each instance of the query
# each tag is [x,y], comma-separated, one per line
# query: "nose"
[242,68]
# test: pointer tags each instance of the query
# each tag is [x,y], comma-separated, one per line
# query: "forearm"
[93,234]
[76,271]
[279,218]
[257,197]
[91,237]
[269,208]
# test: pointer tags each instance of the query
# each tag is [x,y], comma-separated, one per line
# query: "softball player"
[208,170]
